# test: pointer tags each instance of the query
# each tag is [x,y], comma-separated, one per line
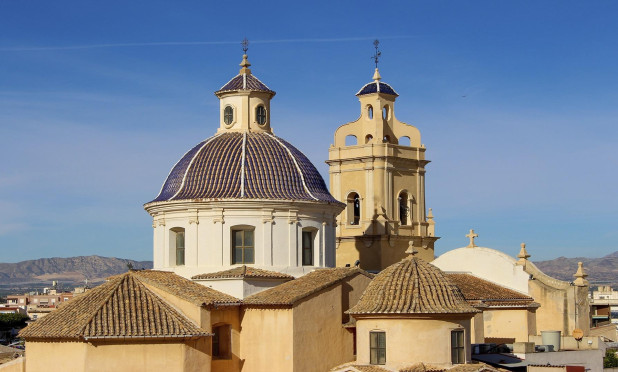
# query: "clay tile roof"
[122,307]
[245,82]
[245,166]
[351,367]
[186,289]
[244,271]
[287,294]
[411,286]
[480,291]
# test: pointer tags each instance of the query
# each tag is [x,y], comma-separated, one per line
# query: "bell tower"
[377,167]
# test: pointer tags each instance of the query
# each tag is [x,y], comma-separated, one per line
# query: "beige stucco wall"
[421,340]
[267,340]
[17,365]
[508,323]
[192,356]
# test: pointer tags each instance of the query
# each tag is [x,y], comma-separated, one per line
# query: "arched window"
[222,342]
[177,237]
[386,139]
[368,138]
[228,115]
[370,111]
[353,209]
[403,208]
[350,140]
[243,245]
[260,115]
[385,112]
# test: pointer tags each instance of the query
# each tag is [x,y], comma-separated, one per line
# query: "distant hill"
[72,271]
[602,270]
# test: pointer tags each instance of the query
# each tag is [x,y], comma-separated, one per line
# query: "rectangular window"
[307,248]
[458,354]
[242,247]
[221,342]
[377,347]
[180,248]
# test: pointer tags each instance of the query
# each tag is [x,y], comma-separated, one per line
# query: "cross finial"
[472,235]
[245,45]
[377,54]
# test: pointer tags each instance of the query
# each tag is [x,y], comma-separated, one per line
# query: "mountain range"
[74,271]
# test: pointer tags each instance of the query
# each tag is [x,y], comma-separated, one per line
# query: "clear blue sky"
[517,103]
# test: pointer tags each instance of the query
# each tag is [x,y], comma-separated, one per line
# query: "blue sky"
[517,103]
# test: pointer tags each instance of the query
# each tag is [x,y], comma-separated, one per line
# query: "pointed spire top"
[245,61]
[376,76]
[523,254]
[411,250]
[580,276]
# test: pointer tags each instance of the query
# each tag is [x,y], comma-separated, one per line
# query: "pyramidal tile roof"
[186,289]
[123,307]
[245,82]
[411,286]
[287,294]
[244,271]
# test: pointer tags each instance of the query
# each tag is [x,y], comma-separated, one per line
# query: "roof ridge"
[103,303]
[289,152]
[243,160]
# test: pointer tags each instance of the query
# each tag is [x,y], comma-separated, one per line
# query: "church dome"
[244,165]
[412,286]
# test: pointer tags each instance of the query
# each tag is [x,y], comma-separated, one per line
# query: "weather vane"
[376,56]
[245,45]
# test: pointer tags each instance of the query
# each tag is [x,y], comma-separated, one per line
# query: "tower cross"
[377,54]
[245,45]
[472,235]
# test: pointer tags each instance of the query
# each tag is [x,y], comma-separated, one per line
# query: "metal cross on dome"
[245,45]
[472,235]
[377,54]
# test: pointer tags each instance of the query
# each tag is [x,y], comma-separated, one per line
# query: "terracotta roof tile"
[122,307]
[244,271]
[287,294]
[411,286]
[186,289]
[479,292]
[245,82]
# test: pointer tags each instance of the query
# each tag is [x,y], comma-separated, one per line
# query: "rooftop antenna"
[245,45]
[377,54]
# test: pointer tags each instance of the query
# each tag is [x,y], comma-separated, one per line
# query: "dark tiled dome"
[234,165]
[245,82]
[412,286]
[375,87]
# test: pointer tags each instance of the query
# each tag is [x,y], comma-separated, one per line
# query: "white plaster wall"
[277,226]
[486,263]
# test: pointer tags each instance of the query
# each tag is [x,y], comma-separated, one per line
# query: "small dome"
[234,165]
[412,286]
[377,87]
[245,82]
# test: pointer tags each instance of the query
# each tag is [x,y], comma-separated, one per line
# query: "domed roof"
[377,87]
[412,286]
[244,165]
[245,82]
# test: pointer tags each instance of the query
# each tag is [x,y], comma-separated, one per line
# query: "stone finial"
[523,254]
[376,76]
[245,65]
[580,276]
[411,250]
[431,228]
[471,236]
